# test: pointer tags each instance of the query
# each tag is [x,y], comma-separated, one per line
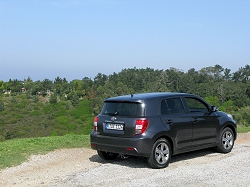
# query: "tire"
[160,154]
[226,141]
[107,155]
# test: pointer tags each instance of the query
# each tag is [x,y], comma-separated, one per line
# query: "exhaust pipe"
[124,157]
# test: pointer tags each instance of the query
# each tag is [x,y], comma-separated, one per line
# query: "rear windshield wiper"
[113,114]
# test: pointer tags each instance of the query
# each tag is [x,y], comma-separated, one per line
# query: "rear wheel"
[160,154]
[107,155]
[226,141]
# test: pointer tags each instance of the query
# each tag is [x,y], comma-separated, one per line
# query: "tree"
[87,83]
[58,85]
[174,76]
[47,84]
[36,88]
[212,73]
[28,84]
[227,74]
[243,74]
[74,100]
[53,99]
[100,79]
[1,87]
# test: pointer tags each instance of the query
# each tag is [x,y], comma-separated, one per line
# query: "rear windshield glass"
[122,109]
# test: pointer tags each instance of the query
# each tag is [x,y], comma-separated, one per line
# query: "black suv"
[159,125]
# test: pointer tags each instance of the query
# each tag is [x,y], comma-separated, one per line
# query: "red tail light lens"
[141,126]
[95,123]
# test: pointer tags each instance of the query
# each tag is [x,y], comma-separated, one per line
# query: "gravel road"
[83,167]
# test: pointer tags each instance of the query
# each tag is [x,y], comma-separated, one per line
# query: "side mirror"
[214,109]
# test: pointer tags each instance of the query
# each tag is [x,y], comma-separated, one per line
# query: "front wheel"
[226,141]
[107,155]
[160,154]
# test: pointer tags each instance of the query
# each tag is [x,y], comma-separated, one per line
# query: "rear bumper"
[136,146]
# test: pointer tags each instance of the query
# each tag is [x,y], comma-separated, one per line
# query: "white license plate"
[114,126]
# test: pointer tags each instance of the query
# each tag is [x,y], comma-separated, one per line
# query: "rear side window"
[130,109]
[171,106]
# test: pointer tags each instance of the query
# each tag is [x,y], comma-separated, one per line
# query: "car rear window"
[131,109]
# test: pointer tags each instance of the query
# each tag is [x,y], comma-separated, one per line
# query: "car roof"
[144,96]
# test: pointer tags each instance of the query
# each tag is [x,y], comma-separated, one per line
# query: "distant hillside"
[44,108]
[22,117]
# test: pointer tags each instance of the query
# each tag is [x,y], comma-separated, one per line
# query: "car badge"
[113,118]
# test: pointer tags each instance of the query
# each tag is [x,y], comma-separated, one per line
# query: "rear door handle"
[195,120]
[169,121]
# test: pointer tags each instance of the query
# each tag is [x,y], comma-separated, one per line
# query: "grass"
[243,129]
[14,152]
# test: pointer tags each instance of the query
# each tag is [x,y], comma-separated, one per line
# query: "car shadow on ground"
[130,161]
[141,162]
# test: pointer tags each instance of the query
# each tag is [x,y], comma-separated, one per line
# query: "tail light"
[141,126]
[95,123]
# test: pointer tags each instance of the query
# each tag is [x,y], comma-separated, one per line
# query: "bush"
[60,113]
[53,99]
[7,136]
[21,105]
[13,120]
[47,109]
[76,113]
[62,120]
[242,116]
[34,113]
[71,127]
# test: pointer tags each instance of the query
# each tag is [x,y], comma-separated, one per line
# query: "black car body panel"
[193,123]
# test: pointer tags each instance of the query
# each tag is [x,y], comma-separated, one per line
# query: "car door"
[204,121]
[178,122]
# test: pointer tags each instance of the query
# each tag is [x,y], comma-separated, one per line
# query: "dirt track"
[83,167]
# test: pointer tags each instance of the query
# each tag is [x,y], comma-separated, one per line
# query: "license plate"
[113,126]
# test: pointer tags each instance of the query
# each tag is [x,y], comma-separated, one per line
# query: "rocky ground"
[83,167]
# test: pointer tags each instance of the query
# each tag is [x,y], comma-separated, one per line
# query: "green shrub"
[58,126]
[23,97]
[60,113]
[79,121]
[21,105]
[62,120]
[13,120]
[21,133]
[242,116]
[34,113]
[71,127]
[46,108]
[36,107]
[54,133]
[26,111]
[7,136]
[13,100]
[19,115]
[76,113]
[53,99]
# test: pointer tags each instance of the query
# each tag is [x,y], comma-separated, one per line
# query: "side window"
[196,105]
[171,106]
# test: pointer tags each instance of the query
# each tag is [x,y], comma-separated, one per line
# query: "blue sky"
[74,39]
